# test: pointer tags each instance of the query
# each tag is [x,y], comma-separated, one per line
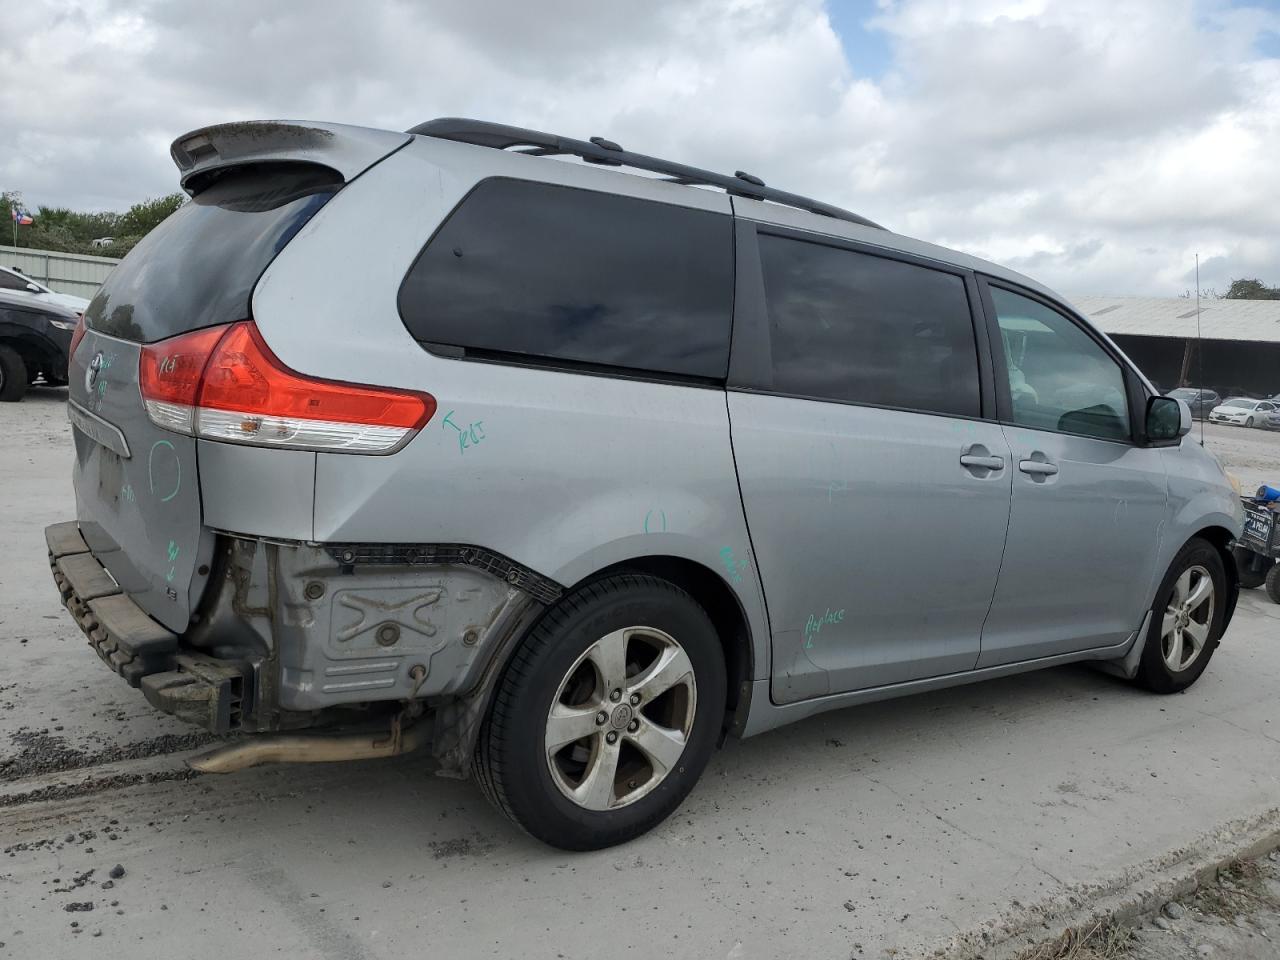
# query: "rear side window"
[864,329]
[534,271]
[198,267]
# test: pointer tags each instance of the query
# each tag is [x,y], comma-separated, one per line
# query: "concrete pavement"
[898,826]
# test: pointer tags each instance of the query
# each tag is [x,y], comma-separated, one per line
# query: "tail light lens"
[76,337]
[169,375]
[224,383]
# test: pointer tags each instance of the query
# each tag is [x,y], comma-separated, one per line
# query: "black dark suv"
[35,341]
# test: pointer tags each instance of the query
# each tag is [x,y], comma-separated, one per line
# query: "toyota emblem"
[92,371]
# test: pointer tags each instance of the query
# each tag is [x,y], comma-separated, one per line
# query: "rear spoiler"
[347,150]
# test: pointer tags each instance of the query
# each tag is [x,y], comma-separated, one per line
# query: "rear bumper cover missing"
[293,635]
[192,686]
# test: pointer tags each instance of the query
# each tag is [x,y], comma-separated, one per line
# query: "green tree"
[1251,290]
[72,231]
[144,217]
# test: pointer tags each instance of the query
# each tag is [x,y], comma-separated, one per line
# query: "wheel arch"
[724,608]
[458,718]
[1222,540]
[34,349]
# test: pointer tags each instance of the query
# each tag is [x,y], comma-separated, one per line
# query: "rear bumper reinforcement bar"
[192,686]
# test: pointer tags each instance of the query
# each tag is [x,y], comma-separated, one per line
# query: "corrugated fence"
[72,273]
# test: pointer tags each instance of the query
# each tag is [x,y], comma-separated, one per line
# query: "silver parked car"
[589,468]
[13,282]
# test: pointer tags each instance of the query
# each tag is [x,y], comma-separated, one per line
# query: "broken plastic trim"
[543,589]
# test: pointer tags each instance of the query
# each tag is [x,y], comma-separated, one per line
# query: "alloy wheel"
[1184,631]
[621,719]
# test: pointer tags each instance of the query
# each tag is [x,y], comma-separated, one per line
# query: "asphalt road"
[898,826]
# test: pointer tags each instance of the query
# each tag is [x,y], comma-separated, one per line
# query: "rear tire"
[1253,573]
[13,375]
[632,649]
[1273,582]
[1186,619]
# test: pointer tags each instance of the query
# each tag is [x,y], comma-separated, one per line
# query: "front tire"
[1248,421]
[606,715]
[1187,619]
[13,375]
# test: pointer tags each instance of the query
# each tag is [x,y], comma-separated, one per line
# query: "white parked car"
[1243,411]
[15,281]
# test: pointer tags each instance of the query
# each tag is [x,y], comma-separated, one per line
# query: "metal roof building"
[1256,320]
[1240,340]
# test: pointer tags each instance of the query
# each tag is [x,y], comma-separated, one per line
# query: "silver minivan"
[563,462]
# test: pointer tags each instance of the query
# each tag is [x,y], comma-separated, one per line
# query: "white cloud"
[1097,144]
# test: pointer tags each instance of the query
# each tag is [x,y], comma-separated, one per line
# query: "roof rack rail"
[500,136]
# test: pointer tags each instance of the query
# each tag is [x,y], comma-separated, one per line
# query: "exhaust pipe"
[312,748]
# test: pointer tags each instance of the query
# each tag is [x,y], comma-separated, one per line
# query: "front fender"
[1201,500]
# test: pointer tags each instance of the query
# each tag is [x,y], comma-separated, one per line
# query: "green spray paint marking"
[813,626]
[656,524]
[127,493]
[172,553]
[732,566]
[151,478]
[471,436]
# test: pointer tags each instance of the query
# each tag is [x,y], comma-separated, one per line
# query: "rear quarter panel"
[564,473]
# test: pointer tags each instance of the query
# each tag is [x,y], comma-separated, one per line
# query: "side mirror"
[31,287]
[1168,420]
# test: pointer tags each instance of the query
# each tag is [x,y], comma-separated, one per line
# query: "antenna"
[1199,353]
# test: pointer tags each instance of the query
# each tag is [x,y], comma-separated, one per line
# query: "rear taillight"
[224,383]
[76,337]
[169,375]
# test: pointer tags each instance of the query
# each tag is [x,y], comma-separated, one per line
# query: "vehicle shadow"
[43,393]
[842,751]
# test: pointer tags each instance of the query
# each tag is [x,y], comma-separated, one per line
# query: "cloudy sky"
[1095,144]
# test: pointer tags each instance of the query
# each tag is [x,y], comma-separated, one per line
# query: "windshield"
[1184,393]
[1246,404]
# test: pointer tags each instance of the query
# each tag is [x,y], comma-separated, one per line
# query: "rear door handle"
[1038,468]
[989,463]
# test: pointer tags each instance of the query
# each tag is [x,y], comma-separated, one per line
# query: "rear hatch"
[138,503]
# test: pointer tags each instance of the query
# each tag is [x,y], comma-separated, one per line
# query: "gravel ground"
[1235,918]
[1252,455]
[939,822]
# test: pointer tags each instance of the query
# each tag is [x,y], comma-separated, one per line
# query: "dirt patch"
[461,847]
[69,790]
[40,752]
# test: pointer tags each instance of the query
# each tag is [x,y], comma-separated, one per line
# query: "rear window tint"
[859,328]
[198,267]
[525,270]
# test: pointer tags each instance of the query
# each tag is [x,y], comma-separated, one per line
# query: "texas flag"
[21,217]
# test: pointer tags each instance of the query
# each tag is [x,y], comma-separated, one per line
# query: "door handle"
[988,463]
[1037,468]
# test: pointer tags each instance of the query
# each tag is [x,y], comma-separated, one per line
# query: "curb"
[1137,892]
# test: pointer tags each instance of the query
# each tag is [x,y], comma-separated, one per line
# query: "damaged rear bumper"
[191,685]
[292,635]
